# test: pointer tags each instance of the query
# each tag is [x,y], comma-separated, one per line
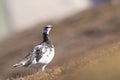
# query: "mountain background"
[87,47]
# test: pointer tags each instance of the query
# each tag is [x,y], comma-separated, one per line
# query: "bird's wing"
[30,57]
[34,54]
[40,51]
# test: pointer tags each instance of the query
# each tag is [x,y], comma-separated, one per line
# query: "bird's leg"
[38,70]
[43,68]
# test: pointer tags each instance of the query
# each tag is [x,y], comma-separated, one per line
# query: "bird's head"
[47,29]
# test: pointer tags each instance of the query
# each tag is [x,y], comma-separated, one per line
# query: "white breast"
[47,56]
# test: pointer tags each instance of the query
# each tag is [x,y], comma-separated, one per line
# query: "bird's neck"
[46,37]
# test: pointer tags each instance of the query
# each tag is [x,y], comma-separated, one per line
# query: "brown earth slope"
[78,40]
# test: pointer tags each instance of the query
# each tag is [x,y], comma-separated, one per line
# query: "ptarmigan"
[41,55]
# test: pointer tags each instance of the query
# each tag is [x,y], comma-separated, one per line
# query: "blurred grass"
[104,66]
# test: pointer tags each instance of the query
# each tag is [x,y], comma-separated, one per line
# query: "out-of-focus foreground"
[87,48]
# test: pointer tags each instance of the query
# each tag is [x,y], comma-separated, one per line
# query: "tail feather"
[18,65]
[22,63]
[25,62]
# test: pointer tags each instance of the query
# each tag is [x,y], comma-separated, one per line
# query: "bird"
[40,55]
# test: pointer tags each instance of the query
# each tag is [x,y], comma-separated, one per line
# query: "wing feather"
[35,53]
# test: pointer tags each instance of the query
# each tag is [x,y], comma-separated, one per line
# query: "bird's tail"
[18,65]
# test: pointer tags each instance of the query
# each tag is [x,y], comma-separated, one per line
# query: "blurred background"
[20,14]
[89,30]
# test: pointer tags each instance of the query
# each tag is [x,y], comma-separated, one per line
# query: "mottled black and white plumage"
[41,55]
